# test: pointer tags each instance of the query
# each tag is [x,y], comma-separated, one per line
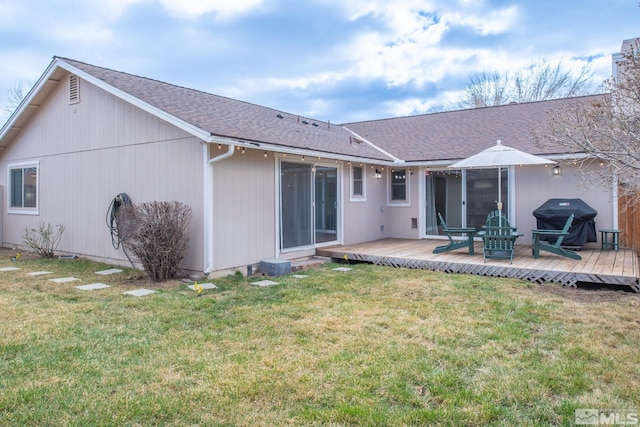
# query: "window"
[398,185]
[357,183]
[23,188]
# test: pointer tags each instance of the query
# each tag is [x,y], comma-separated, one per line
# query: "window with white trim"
[398,185]
[23,187]
[358,183]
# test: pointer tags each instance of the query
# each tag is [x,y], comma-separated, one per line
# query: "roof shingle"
[235,119]
[459,134]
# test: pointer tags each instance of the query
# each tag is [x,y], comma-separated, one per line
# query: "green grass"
[374,346]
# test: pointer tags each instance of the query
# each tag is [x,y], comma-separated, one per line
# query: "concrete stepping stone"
[204,286]
[342,269]
[92,287]
[9,269]
[264,283]
[40,273]
[64,279]
[108,272]
[299,276]
[139,292]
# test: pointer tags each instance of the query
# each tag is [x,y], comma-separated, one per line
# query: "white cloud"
[411,106]
[195,8]
[406,47]
[491,22]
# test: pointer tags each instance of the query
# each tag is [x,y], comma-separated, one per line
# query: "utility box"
[275,267]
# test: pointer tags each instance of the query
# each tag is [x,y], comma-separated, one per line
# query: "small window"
[74,89]
[398,185]
[23,188]
[357,183]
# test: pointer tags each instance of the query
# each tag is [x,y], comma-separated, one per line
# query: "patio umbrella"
[496,157]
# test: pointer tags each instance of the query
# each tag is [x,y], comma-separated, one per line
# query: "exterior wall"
[366,220]
[93,150]
[244,209]
[377,218]
[536,184]
[400,216]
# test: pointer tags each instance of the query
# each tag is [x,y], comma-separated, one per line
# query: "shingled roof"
[459,134]
[438,138]
[233,119]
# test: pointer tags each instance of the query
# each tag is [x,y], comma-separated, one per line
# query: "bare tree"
[15,95]
[605,130]
[540,81]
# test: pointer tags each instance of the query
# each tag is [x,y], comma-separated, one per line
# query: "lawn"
[371,346]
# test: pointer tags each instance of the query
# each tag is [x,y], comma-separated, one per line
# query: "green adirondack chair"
[465,242]
[498,242]
[539,245]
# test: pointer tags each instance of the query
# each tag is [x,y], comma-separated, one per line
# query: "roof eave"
[11,129]
[27,106]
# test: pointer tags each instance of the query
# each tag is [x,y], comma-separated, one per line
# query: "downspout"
[208,204]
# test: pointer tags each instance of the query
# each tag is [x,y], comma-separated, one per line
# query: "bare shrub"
[43,239]
[155,233]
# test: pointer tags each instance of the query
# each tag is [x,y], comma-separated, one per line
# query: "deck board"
[597,266]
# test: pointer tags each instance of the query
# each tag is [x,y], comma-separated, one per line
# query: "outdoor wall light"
[377,174]
[557,170]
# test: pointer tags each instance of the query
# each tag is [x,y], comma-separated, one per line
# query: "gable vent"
[74,89]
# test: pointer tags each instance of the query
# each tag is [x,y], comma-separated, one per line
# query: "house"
[262,183]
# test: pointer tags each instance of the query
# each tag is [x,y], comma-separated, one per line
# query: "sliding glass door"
[326,204]
[482,195]
[463,198]
[308,204]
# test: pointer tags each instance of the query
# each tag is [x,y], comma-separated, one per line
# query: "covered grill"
[553,214]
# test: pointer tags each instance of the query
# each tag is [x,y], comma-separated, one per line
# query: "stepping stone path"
[96,286]
[264,283]
[108,272]
[139,292]
[299,276]
[92,287]
[342,269]
[64,279]
[40,273]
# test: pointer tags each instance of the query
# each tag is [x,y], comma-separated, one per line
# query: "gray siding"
[536,184]
[363,219]
[244,209]
[93,150]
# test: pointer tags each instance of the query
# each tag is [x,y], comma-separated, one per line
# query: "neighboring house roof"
[430,138]
[452,135]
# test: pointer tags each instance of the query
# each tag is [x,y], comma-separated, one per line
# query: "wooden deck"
[614,268]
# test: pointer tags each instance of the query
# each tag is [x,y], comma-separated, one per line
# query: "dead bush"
[155,233]
[43,239]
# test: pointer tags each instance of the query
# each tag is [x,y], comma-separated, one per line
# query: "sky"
[332,60]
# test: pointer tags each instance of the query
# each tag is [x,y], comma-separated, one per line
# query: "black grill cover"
[553,214]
